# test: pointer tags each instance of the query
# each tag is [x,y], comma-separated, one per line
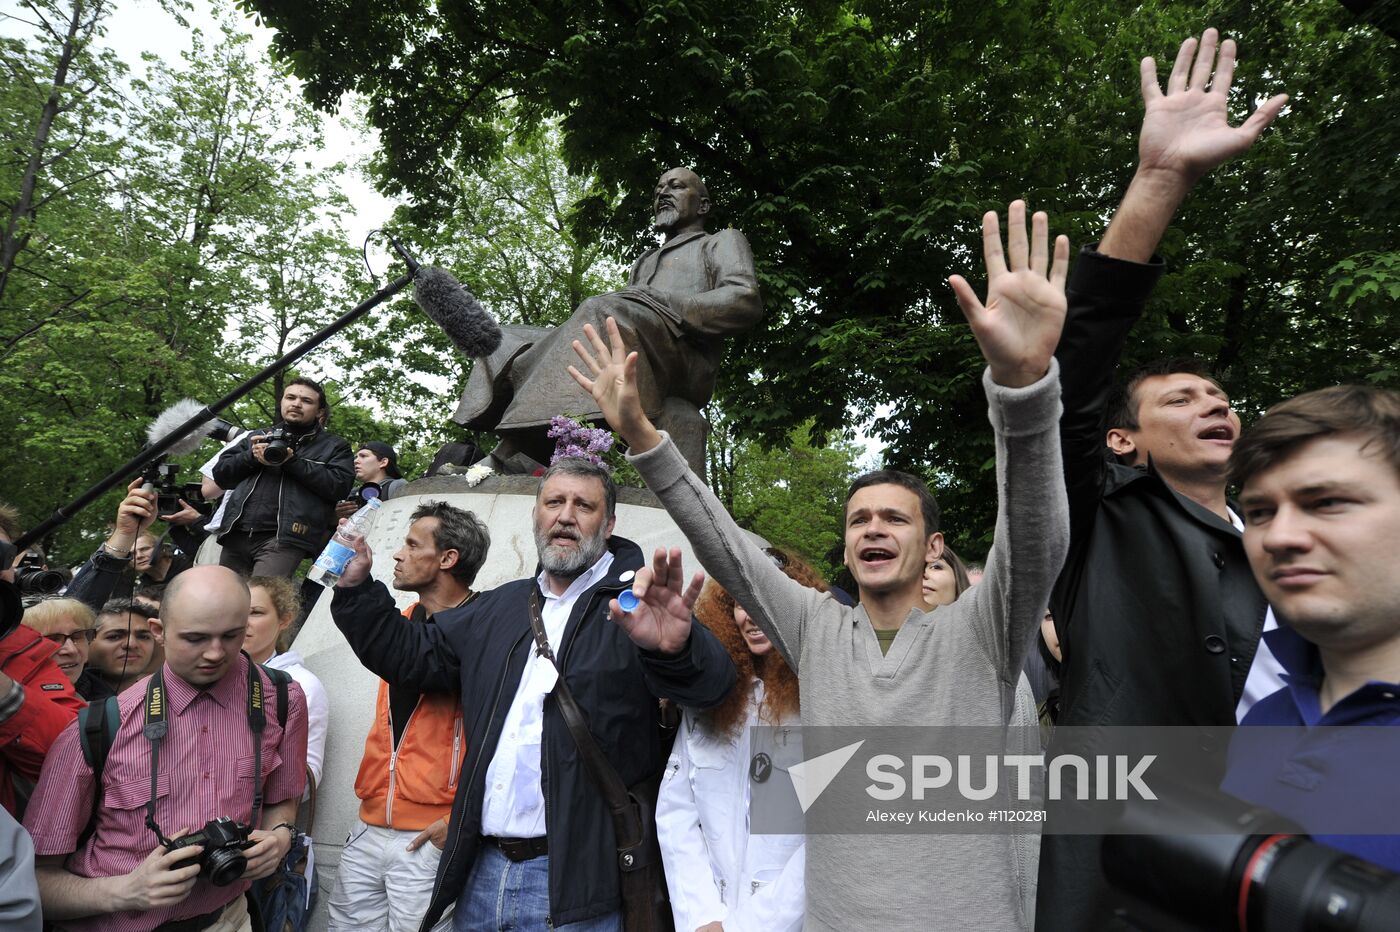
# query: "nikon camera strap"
[156,726]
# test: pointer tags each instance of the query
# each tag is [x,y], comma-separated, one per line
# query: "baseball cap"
[382,450]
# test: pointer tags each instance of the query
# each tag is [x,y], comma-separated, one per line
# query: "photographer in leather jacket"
[282,505]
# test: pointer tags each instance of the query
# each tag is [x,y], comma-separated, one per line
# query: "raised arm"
[1185,134]
[390,646]
[1017,329]
[777,604]
[1019,325]
[97,579]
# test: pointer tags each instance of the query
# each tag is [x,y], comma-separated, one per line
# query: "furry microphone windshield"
[169,420]
[457,311]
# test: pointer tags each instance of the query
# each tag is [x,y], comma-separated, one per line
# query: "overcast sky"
[136,27]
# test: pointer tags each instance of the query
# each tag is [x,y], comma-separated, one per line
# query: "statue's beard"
[666,220]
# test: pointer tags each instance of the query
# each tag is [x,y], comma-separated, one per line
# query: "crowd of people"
[548,755]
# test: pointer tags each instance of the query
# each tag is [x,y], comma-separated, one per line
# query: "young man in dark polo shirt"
[1320,478]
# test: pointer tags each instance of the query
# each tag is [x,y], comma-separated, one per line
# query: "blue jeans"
[502,895]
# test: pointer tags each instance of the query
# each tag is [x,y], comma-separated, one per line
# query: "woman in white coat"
[720,876]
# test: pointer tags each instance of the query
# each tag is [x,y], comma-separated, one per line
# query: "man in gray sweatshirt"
[958,665]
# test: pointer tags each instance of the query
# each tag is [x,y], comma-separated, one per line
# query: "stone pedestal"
[504,503]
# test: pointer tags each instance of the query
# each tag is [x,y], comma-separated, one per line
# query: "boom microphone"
[457,311]
[173,418]
[172,430]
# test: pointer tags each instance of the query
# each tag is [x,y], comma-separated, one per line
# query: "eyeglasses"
[85,635]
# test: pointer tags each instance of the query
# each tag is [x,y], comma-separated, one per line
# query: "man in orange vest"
[414,750]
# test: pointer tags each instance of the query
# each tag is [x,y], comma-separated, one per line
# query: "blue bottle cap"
[628,600]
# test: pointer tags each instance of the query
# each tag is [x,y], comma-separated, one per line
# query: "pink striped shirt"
[206,768]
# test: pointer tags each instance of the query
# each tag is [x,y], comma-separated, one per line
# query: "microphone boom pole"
[134,465]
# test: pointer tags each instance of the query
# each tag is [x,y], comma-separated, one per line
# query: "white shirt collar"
[584,582]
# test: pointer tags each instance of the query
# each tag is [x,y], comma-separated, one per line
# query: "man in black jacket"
[1157,613]
[530,838]
[282,511]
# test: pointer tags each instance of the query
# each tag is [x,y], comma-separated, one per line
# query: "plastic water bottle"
[331,563]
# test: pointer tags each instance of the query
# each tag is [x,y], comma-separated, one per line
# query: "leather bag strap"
[626,824]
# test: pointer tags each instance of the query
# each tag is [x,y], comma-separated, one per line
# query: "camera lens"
[221,430]
[275,453]
[225,865]
[38,582]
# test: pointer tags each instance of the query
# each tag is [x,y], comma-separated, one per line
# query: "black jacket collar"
[1120,479]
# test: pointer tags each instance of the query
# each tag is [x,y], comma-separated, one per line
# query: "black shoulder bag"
[645,904]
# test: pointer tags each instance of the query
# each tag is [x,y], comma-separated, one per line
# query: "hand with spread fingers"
[613,386]
[1019,326]
[661,623]
[1187,131]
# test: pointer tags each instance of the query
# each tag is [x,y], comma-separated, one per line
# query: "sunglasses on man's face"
[85,636]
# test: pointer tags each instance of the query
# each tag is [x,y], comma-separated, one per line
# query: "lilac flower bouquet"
[573,439]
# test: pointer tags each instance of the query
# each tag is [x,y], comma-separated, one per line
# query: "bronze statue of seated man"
[682,299]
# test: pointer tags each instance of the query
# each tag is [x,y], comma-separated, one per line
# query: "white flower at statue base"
[477,473]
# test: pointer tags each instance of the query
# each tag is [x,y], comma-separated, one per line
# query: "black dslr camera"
[281,443]
[33,579]
[224,841]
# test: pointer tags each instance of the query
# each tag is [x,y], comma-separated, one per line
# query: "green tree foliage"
[791,494]
[510,240]
[856,142]
[164,241]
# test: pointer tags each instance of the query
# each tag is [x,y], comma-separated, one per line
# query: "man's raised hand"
[1186,131]
[137,511]
[661,623]
[357,570]
[613,386]
[1019,326]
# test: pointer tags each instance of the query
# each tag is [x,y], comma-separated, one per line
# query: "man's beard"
[300,427]
[666,219]
[569,563]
